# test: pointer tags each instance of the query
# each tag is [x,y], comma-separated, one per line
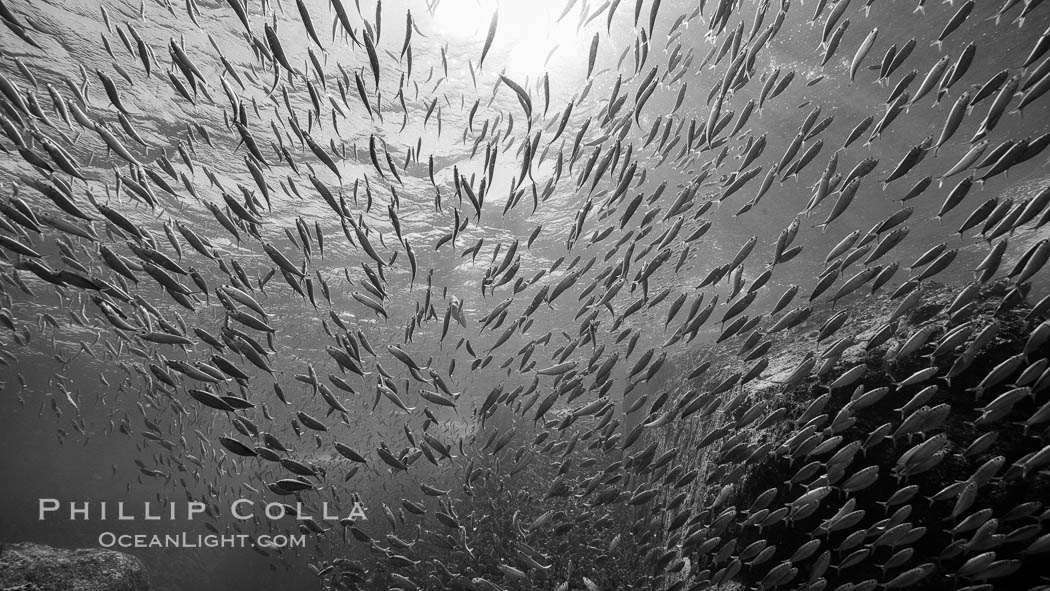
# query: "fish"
[489,38]
[862,52]
[842,408]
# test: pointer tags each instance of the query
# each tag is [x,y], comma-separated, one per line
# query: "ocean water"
[84,446]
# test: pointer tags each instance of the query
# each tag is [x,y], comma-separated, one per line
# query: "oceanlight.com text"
[186,540]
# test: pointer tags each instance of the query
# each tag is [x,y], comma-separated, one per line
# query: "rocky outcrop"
[34,567]
[879,452]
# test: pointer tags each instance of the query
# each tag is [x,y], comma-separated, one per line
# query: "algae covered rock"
[35,567]
[909,451]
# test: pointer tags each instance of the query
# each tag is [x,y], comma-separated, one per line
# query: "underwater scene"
[504,294]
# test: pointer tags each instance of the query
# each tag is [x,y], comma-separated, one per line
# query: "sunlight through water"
[531,40]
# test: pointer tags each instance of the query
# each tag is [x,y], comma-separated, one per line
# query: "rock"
[782,450]
[26,566]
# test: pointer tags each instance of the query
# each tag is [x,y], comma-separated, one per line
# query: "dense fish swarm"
[617,325]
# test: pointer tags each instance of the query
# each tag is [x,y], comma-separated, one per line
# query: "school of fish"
[329,261]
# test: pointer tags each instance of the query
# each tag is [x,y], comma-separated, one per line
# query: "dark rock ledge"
[26,566]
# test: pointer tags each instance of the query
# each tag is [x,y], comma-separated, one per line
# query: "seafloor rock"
[34,567]
[807,484]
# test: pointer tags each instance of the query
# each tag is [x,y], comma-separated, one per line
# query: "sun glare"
[529,39]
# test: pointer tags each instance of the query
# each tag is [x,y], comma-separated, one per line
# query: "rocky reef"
[900,441]
[35,567]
